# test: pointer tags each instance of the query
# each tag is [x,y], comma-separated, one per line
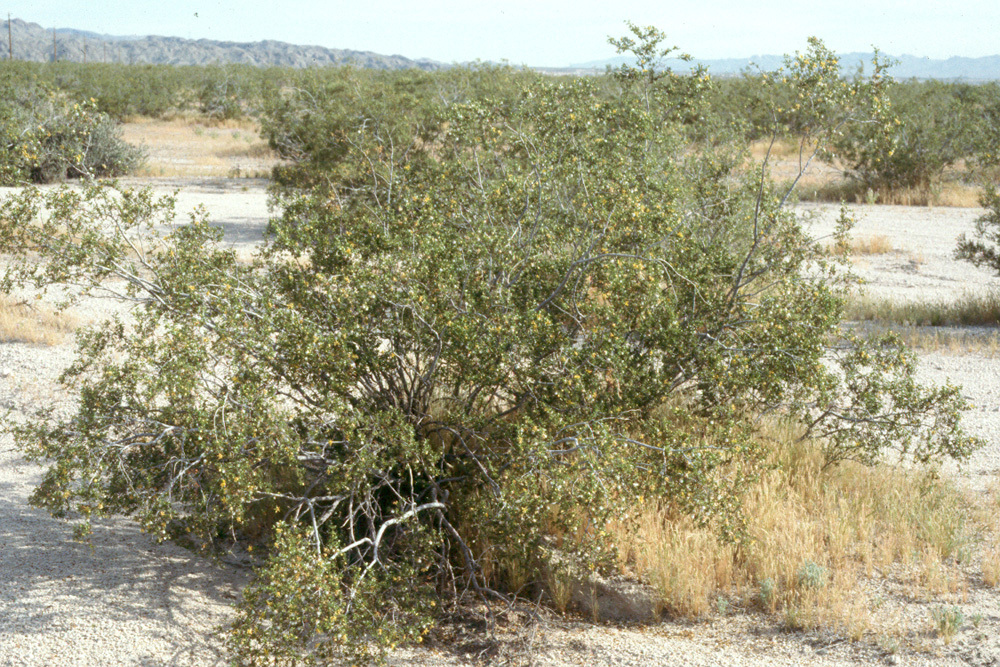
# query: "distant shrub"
[313,124]
[45,138]
[220,100]
[983,249]
[928,127]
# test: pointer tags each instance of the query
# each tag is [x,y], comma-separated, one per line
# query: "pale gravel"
[122,599]
[921,264]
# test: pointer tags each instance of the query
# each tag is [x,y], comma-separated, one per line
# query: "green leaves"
[44,137]
[879,408]
[486,322]
[984,248]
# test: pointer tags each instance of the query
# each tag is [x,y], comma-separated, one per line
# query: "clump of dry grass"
[35,325]
[873,244]
[686,563]
[248,149]
[986,344]
[990,556]
[991,564]
[972,309]
[813,533]
[949,193]
[782,149]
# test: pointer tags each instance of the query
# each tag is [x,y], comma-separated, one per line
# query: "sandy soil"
[124,600]
[920,265]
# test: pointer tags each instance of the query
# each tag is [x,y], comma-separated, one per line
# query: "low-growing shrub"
[812,575]
[44,138]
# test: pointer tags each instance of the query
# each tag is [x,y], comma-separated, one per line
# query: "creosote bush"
[464,348]
[984,248]
[45,137]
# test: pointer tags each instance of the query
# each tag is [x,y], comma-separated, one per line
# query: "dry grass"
[783,149]
[686,564]
[198,147]
[989,517]
[984,344]
[874,244]
[786,161]
[825,182]
[972,309]
[991,563]
[814,536]
[838,189]
[35,325]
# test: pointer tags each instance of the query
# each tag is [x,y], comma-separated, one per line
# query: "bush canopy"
[462,350]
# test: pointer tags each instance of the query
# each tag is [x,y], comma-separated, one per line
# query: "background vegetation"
[937,134]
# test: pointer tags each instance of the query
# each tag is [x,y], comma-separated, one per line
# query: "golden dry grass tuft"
[813,536]
[991,564]
[35,325]
[782,149]
[837,189]
[873,244]
[989,517]
[687,564]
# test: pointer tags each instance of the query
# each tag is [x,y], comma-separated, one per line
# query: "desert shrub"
[983,104]
[220,100]
[44,138]
[234,91]
[747,102]
[155,91]
[313,123]
[123,91]
[931,127]
[118,90]
[926,128]
[983,249]
[462,350]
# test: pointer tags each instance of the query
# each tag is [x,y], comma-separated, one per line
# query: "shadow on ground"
[53,584]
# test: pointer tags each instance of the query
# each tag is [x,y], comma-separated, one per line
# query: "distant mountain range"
[33,42]
[906,67]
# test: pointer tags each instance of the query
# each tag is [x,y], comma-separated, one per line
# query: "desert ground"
[122,599]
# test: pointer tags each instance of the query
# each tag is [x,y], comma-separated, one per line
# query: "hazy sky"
[545,32]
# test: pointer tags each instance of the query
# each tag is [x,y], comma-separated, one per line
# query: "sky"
[545,33]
